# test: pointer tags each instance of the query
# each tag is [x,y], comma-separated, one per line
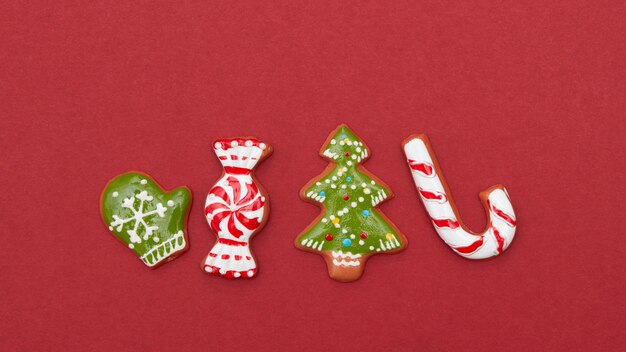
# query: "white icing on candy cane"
[440,206]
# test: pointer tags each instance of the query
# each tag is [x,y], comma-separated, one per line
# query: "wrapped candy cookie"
[236,207]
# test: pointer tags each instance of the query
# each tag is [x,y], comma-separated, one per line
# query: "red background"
[528,95]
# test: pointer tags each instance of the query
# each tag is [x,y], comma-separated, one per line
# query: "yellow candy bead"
[389,236]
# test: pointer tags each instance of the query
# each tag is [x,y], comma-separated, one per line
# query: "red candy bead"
[363,235]
[346,197]
[347,154]
[329,237]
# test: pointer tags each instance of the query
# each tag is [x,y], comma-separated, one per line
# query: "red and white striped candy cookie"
[435,195]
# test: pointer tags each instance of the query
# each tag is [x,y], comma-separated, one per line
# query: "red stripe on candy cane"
[432,196]
[499,239]
[423,168]
[502,215]
[471,248]
[449,223]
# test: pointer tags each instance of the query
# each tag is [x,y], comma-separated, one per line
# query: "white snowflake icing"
[139,217]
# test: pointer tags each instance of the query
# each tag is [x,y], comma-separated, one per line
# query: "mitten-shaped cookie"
[147,219]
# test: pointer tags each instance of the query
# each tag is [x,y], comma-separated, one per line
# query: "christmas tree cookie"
[350,227]
[147,219]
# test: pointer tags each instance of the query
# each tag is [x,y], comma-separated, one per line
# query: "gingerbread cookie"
[444,215]
[236,207]
[148,220]
[350,227]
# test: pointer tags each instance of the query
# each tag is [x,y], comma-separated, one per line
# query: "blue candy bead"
[366,213]
[346,242]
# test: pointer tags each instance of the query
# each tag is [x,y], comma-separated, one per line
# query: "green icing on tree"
[350,227]
[150,221]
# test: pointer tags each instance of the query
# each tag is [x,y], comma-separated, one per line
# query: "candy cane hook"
[437,199]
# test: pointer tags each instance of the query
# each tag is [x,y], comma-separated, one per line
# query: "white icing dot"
[333,186]
[131,246]
[115,194]
[373,182]
[143,182]
[218,145]
[349,162]
[363,184]
[332,141]
[341,143]
[353,204]
[361,199]
[233,144]
[371,248]
[262,146]
[340,213]
[344,231]
[222,271]
[170,203]
[110,228]
[361,242]
[156,239]
[353,156]
[237,274]
[367,191]
[318,183]
[353,187]
[324,220]
[208,269]
[352,236]
[345,210]
[345,169]
[349,142]
[332,217]
[327,181]
[250,273]
[337,225]
[262,199]
[334,178]
[377,249]
[358,149]
[248,143]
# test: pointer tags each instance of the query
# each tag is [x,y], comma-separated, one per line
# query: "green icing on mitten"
[150,221]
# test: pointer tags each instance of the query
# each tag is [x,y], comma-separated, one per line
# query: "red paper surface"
[529,95]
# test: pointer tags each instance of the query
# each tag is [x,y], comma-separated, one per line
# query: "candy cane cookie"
[444,215]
